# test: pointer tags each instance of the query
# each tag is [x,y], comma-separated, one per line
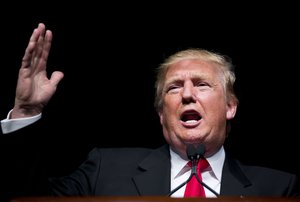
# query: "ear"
[161,117]
[231,109]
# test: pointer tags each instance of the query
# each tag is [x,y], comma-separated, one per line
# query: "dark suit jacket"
[139,171]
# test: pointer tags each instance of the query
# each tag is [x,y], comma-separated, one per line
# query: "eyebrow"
[202,76]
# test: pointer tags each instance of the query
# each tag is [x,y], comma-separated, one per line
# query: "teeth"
[191,121]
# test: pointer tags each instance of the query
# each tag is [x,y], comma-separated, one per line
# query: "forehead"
[190,68]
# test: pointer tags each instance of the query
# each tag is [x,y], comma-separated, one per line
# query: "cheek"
[215,105]
[168,118]
[171,103]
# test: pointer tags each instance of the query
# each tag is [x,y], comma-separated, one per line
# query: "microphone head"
[191,152]
[200,150]
[195,153]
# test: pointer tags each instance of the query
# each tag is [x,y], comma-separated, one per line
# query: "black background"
[109,53]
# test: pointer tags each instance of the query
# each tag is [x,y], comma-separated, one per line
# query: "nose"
[188,93]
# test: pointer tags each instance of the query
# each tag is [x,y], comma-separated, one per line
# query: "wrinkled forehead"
[192,69]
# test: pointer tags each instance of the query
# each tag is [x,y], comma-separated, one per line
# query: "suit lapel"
[234,180]
[155,178]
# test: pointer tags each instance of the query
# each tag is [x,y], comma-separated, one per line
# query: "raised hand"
[34,88]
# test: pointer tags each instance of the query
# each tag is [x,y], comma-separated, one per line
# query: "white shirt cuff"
[11,125]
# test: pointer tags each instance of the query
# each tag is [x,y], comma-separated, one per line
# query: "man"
[195,101]
[34,89]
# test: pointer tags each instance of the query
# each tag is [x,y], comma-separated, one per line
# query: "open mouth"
[190,117]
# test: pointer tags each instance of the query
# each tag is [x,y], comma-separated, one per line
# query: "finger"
[37,52]
[56,77]
[26,60]
[46,48]
[40,62]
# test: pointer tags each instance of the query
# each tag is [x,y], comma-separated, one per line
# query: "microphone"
[194,154]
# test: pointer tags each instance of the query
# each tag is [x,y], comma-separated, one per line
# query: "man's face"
[195,109]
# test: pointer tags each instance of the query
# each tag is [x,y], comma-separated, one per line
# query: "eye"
[201,84]
[173,88]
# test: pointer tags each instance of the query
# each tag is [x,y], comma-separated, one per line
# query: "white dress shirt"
[180,172]
[10,125]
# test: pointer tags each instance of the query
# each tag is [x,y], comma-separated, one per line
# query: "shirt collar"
[178,164]
[216,162]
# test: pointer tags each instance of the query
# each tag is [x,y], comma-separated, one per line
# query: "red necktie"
[193,187]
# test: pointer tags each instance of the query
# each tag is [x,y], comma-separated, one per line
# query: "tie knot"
[202,165]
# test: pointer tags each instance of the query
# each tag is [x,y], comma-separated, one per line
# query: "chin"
[194,140]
